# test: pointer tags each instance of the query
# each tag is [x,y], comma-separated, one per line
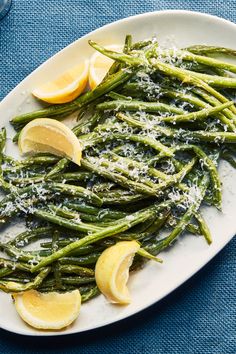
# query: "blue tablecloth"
[199,317]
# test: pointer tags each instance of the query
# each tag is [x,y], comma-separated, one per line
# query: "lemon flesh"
[49,135]
[48,310]
[99,66]
[112,271]
[66,87]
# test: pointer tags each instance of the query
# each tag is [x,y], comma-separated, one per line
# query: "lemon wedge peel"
[66,87]
[99,66]
[48,311]
[112,271]
[52,136]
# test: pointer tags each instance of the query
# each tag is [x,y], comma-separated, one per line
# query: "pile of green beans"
[152,134]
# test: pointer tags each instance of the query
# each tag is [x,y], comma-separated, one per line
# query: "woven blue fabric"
[199,317]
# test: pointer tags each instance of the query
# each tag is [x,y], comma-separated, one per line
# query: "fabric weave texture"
[200,316]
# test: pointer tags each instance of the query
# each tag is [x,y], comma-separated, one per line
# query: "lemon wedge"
[66,87]
[48,310]
[99,66]
[49,135]
[112,271]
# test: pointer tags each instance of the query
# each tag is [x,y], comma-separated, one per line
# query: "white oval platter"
[190,253]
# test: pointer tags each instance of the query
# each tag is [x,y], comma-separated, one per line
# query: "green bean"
[87,291]
[3,137]
[186,55]
[214,102]
[208,163]
[76,191]
[48,188]
[77,280]
[194,100]
[124,225]
[38,160]
[171,180]
[16,279]
[16,137]
[128,43]
[27,236]
[57,111]
[193,229]
[94,138]
[211,137]
[112,214]
[125,105]
[7,187]
[62,177]
[81,260]
[203,227]
[55,267]
[123,181]
[116,56]
[12,265]
[59,167]
[138,187]
[5,272]
[16,193]
[212,80]
[66,268]
[84,208]
[10,160]
[3,184]
[65,213]
[229,158]
[193,116]
[89,294]
[119,197]
[180,227]
[205,49]
[166,92]
[196,79]
[189,98]
[20,206]
[153,229]
[186,76]
[18,287]
[152,172]
[58,220]
[181,134]
[141,44]
[61,243]
[20,182]
[116,65]
[127,167]
[19,169]
[144,253]
[191,77]
[68,214]
[220,72]
[74,281]
[93,218]
[118,96]
[144,230]
[20,255]
[103,187]
[88,124]
[182,96]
